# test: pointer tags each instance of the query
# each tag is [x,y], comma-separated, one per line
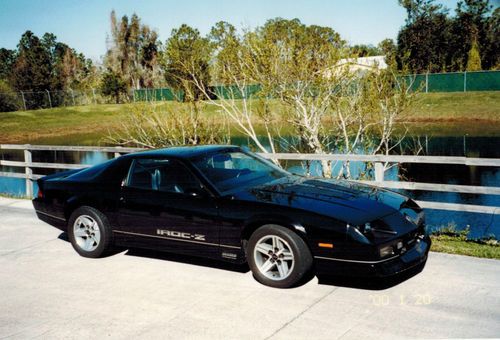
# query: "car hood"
[347,201]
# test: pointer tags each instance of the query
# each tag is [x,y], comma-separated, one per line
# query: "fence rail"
[378,161]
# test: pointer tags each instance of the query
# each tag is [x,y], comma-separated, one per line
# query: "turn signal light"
[40,193]
[325,245]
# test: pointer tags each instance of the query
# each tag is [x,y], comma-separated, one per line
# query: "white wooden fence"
[378,160]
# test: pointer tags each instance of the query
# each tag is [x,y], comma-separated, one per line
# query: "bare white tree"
[151,126]
[292,69]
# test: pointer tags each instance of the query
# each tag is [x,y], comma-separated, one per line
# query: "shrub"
[170,124]
[113,85]
[8,98]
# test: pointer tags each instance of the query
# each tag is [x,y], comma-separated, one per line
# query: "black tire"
[302,258]
[103,247]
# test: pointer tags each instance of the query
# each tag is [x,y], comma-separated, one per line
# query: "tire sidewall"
[301,254]
[103,229]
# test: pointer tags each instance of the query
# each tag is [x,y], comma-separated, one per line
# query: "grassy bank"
[474,113]
[457,106]
[449,240]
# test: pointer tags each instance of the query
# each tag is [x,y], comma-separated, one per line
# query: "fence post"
[28,172]
[379,172]
[465,146]
[465,81]
[24,101]
[427,82]
[50,100]
[93,94]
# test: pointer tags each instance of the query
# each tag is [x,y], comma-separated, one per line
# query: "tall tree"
[491,50]
[474,58]
[470,24]
[388,49]
[362,50]
[187,55]
[225,45]
[416,9]
[423,43]
[133,52]
[32,68]
[7,58]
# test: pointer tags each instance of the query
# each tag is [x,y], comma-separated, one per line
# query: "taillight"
[40,193]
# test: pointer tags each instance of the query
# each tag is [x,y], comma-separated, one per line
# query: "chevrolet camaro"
[226,203]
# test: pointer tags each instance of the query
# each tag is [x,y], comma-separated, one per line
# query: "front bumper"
[412,258]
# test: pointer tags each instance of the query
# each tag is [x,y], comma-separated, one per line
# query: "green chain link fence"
[455,82]
[162,94]
[431,82]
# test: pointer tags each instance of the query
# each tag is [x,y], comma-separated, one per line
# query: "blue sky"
[84,24]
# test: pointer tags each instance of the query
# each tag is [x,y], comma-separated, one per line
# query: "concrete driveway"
[48,291]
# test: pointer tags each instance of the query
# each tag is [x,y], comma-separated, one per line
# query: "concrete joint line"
[301,313]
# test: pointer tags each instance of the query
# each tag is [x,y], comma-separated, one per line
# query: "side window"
[162,175]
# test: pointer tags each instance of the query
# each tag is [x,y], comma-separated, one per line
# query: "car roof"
[184,152]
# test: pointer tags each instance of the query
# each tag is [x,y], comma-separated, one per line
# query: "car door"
[164,205]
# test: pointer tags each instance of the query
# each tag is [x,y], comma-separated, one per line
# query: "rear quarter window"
[113,170]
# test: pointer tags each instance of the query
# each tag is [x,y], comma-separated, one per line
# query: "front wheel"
[278,257]
[89,232]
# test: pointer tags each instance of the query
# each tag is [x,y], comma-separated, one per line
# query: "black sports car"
[226,203]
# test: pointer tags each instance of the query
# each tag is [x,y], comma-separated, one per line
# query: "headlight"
[386,251]
[391,249]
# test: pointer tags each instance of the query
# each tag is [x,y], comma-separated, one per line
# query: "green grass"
[63,123]
[456,245]
[474,113]
[458,106]
[452,241]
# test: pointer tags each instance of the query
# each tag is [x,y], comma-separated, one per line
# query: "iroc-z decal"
[179,234]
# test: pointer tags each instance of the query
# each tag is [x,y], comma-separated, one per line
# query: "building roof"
[365,62]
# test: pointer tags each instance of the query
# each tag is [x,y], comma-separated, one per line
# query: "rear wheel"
[89,232]
[278,257]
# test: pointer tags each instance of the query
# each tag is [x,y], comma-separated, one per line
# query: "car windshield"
[234,170]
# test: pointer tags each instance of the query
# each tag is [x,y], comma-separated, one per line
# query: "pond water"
[481,225]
